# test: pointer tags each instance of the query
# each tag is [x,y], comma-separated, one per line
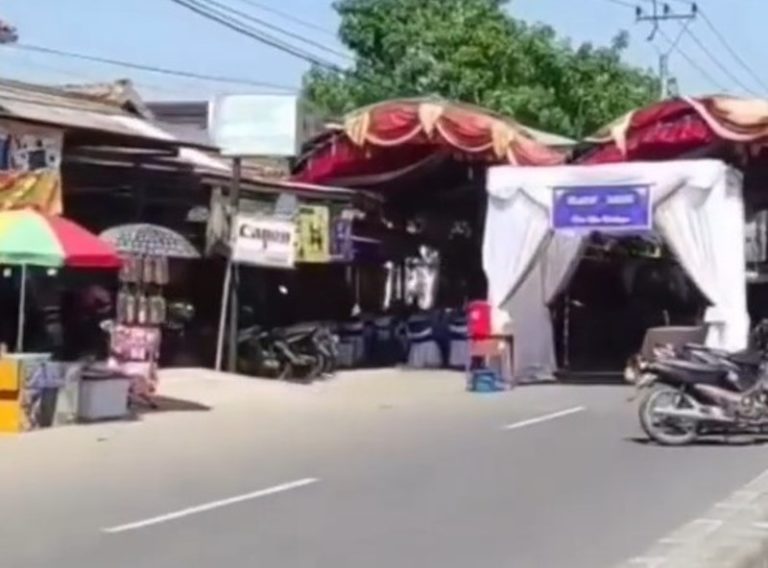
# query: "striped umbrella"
[30,238]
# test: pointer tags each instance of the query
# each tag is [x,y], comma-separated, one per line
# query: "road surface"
[377,470]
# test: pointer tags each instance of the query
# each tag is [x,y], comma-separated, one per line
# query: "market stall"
[538,220]
[142,311]
[28,238]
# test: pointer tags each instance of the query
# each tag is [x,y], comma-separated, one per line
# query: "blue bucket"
[484,380]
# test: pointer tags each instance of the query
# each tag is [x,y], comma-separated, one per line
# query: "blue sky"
[161,33]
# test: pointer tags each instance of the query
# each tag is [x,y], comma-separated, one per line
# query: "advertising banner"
[314,234]
[264,241]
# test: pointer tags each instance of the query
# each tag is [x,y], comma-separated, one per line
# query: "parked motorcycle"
[257,355]
[693,390]
[302,352]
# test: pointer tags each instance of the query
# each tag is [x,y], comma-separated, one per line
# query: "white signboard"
[264,241]
[256,125]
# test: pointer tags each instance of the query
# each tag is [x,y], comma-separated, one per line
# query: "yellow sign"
[313,230]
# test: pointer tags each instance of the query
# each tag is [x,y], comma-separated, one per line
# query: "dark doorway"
[622,287]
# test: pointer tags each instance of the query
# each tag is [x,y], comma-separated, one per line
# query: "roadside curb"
[732,534]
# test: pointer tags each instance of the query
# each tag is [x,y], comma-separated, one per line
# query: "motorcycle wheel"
[329,365]
[316,369]
[285,371]
[667,431]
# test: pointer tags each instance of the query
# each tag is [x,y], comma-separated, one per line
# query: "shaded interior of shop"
[432,196]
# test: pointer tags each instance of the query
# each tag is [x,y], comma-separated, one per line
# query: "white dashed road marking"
[545,418]
[211,506]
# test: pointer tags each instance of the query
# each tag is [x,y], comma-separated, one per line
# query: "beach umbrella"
[31,238]
[145,239]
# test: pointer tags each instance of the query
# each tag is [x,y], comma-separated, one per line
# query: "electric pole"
[663,12]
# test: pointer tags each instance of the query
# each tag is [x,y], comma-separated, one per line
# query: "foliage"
[474,51]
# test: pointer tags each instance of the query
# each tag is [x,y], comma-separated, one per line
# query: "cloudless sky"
[159,32]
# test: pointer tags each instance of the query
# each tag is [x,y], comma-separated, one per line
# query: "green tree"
[474,51]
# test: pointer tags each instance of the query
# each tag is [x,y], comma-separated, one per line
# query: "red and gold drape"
[673,128]
[393,135]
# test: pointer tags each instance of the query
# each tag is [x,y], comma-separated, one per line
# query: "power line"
[274,27]
[81,76]
[727,72]
[288,17]
[150,68]
[204,10]
[622,3]
[732,51]
[693,63]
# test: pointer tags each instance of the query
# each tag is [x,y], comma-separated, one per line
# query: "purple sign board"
[604,208]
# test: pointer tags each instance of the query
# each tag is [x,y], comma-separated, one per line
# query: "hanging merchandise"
[161,271]
[147,270]
[141,312]
[157,310]
[421,278]
[122,305]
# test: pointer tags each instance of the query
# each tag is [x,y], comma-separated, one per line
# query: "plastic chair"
[458,346]
[424,351]
[351,344]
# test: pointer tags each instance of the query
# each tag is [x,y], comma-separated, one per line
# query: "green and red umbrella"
[30,238]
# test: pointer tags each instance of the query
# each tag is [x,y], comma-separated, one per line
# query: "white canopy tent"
[697,207]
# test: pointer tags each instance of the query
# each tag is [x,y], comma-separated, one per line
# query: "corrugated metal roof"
[58,107]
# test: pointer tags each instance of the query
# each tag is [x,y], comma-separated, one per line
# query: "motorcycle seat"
[746,357]
[691,372]
[299,329]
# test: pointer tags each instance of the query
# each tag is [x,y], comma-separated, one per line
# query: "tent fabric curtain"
[526,265]
[693,221]
[529,305]
[516,230]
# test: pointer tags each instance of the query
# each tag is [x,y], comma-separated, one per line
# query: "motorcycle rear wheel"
[667,431]
[329,365]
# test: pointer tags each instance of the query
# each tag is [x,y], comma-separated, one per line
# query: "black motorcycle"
[257,355]
[694,390]
[303,352]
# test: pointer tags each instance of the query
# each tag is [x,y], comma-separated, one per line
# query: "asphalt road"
[380,471]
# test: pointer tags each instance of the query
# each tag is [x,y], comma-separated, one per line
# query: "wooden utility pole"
[234,280]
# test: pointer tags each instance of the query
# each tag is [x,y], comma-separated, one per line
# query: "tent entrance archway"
[620,287]
[696,205]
